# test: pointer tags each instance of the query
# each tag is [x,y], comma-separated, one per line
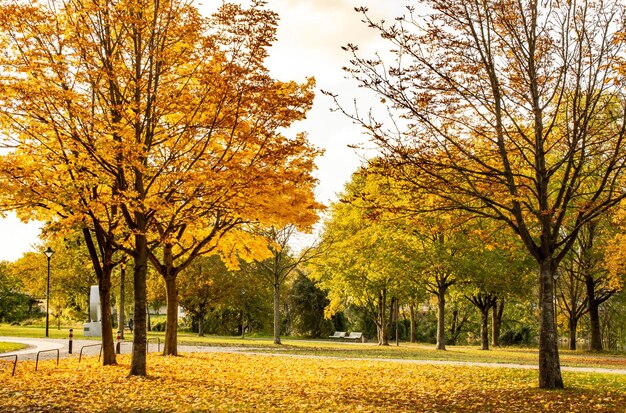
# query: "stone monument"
[93,328]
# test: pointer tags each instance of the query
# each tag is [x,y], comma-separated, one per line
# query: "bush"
[160,326]
[516,336]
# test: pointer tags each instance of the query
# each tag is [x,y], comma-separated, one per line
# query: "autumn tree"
[15,304]
[510,111]
[496,268]
[363,259]
[307,303]
[571,295]
[204,284]
[280,265]
[160,123]
[600,284]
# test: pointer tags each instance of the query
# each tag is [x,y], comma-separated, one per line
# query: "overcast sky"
[310,36]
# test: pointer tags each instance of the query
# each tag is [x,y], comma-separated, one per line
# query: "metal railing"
[158,340]
[90,345]
[45,351]
[14,361]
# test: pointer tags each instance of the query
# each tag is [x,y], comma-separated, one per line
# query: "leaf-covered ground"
[219,382]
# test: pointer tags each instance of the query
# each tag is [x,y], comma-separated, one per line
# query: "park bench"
[338,334]
[354,336]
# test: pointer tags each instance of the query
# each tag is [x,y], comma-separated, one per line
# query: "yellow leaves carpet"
[219,382]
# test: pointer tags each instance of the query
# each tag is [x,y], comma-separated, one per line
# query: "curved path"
[41,344]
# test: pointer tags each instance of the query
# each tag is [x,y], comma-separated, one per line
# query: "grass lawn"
[219,382]
[4,347]
[38,331]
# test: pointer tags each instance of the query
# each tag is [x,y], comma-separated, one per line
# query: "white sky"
[310,36]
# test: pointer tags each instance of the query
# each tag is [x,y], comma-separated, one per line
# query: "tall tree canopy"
[160,122]
[510,110]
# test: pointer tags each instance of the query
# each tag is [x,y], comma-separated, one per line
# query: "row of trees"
[489,278]
[215,299]
[510,111]
[397,256]
[153,131]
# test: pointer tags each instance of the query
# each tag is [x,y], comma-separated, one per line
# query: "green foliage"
[160,326]
[522,335]
[307,302]
[15,305]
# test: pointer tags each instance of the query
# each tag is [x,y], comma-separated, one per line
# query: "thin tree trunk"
[484,327]
[383,336]
[496,322]
[121,322]
[441,308]
[103,267]
[413,337]
[201,326]
[572,324]
[594,315]
[169,275]
[138,362]
[171,325]
[276,312]
[549,363]
[108,347]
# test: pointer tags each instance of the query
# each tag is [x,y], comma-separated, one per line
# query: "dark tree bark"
[441,317]
[484,302]
[103,266]
[594,316]
[382,320]
[121,319]
[140,256]
[169,274]
[496,321]
[412,335]
[276,307]
[549,363]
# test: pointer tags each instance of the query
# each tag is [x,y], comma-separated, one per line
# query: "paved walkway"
[36,345]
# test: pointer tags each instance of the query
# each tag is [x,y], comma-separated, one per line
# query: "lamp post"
[48,253]
[120,320]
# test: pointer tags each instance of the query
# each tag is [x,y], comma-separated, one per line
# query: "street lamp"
[48,253]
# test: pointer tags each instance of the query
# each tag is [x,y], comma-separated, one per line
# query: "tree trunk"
[200,326]
[138,362]
[441,308]
[594,315]
[381,325]
[169,274]
[572,324]
[200,315]
[170,347]
[413,337]
[549,364]
[484,327]
[120,312]
[103,267]
[108,347]
[276,312]
[496,322]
